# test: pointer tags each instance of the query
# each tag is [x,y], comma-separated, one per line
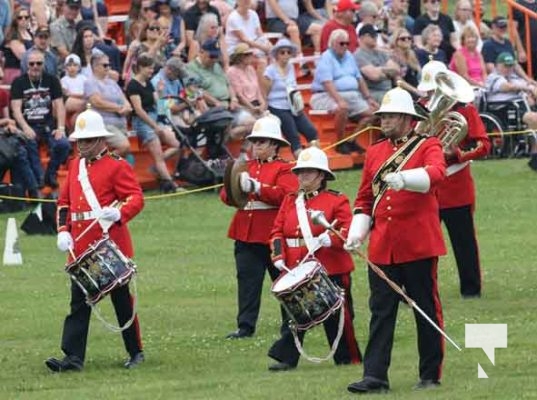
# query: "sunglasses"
[284,52]
[43,36]
[259,141]
[343,43]
[35,63]
[214,56]
[154,28]
[20,17]
[105,65]
[146,9]
[405,38]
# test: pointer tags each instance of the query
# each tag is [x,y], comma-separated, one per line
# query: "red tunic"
[458,189]
[335,205]
[112,178]
[406,224]
[277,180]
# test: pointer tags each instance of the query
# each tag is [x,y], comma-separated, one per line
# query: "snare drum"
[100,269]
[307,294]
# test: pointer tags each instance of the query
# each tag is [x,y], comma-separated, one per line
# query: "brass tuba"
[450,127]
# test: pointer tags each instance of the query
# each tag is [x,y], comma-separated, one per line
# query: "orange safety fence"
[528,15]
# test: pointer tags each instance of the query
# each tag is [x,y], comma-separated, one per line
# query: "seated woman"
[404,55]
[339,87]
[143,98]
[18,39]
[243,79]
[108,99]
[279,79]
[431,38]
[468,61]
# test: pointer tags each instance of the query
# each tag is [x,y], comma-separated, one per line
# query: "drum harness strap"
[96,210]
[313,245]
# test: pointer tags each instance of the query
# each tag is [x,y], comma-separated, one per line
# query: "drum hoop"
[304,280]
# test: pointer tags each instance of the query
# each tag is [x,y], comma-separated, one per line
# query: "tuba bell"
[450,127]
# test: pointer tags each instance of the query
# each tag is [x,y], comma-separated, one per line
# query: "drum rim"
[317,266]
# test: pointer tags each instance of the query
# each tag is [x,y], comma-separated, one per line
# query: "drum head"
[297,275]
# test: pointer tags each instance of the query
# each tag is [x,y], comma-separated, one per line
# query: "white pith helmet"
[398,101]
[314,158]
[268,127]
[89,124]
[428,73]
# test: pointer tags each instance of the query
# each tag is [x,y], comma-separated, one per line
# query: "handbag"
[296,102]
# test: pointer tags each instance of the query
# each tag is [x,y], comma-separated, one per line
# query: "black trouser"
[347,352]
[460,226]
[419,279]
[251,259]
[75,328]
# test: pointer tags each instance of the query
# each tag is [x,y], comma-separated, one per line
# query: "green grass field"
[186,287]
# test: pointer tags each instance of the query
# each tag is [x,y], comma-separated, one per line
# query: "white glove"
[249,184]
[111,214]
[414,180]
[64,241]
[280,265]
[324,239]
[358,231]
[395,181]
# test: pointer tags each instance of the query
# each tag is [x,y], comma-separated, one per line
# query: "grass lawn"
[187,288]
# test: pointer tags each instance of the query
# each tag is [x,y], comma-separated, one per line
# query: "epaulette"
[379,141]
[335,192]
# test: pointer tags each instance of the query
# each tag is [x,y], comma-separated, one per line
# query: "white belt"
[258,205]
[295,242]
[82,216]
[454,168]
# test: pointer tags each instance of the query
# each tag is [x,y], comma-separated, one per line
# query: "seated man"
[338,86]
[378,69]
[504,84]
[343,18]
[217,92]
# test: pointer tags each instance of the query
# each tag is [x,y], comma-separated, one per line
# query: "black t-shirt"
[37,97]
[193,15]
[146,94]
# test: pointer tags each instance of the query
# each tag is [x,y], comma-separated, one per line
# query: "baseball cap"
[73,3]
[212,47]
[505,58]
[368,29]
[346,5]
[500,22]
[42,30]
[72,58]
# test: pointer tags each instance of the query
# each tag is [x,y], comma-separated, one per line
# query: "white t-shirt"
[236,22]
[74,85]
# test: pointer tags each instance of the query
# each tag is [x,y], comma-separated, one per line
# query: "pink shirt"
[245,82]
[473,63]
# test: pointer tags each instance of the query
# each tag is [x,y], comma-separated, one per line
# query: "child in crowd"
[73,85]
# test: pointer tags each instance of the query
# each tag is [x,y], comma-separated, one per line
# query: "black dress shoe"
[369,385]
[281,366]
[136,359]
[240,334]
[472,296]
[69,363]
[426,384]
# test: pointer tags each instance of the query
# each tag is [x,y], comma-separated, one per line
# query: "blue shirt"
[277,96]
[343,72]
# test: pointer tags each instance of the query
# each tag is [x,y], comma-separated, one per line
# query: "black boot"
[533,162]
[68,363]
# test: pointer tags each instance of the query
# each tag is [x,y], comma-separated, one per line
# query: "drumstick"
[113,204]
[318,217]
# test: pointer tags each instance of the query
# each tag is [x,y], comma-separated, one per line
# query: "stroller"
[205,155]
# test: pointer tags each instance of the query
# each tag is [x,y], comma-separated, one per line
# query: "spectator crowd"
[200,54]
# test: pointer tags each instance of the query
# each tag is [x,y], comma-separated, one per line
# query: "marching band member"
[456,194]
[95,180]
[397,206]
[266,182]
[290,235]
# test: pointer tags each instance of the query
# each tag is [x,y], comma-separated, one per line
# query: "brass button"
[388,198]
[249,214]
[389,207]
[389,218]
